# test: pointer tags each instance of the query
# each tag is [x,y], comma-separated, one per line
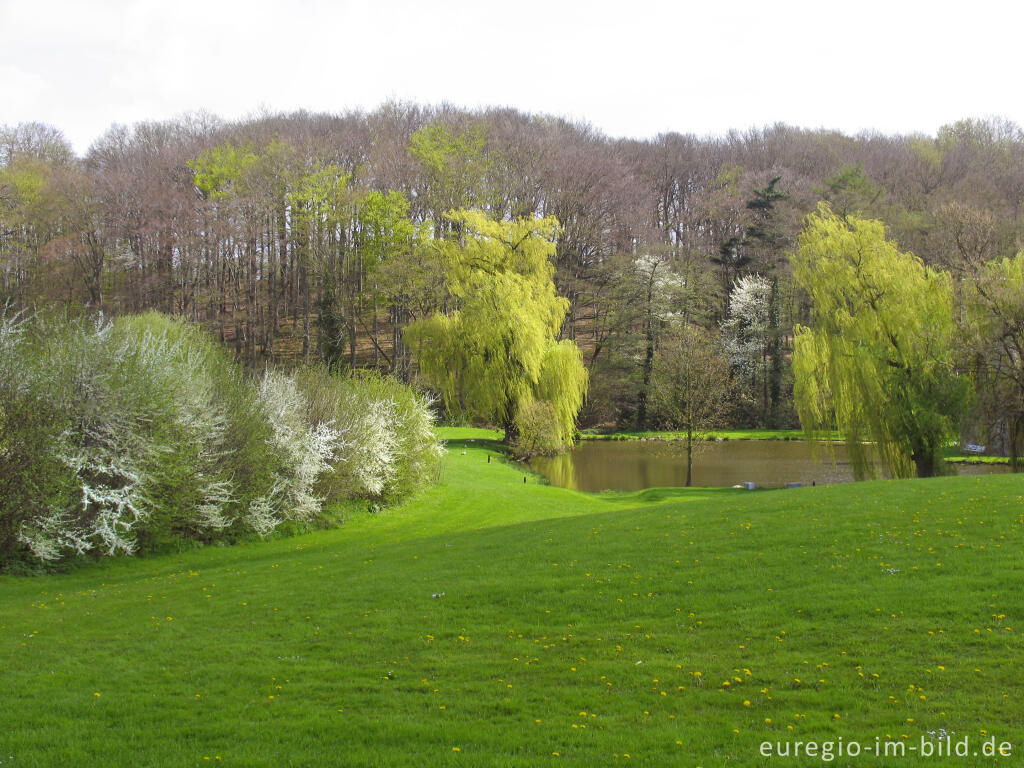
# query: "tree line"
[306,237]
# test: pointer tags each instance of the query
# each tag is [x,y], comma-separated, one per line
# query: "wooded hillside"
[309,236]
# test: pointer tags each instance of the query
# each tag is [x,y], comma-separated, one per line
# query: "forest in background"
[305,237]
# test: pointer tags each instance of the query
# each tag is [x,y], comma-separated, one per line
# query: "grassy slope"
[895,605]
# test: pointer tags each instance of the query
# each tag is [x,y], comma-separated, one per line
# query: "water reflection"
[597,465]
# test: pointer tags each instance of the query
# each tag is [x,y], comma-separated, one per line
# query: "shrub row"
[124,436]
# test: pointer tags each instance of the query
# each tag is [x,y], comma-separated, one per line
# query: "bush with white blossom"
[128,436]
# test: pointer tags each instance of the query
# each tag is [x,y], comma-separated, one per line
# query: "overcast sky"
[630,67]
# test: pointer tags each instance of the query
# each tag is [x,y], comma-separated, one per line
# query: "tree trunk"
[1016,427]
[641,408]
[511,431]
[689,457]
[376,346]
[304,280]
[925,463]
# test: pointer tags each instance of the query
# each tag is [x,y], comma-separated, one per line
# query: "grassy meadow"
[492,622]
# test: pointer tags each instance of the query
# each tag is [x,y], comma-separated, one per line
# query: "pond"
[631,465]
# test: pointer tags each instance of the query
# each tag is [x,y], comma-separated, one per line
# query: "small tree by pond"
[691,387]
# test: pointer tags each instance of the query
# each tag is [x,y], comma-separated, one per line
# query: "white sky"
[631,67]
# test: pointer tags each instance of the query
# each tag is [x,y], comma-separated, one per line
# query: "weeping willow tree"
[496,349]
[877,363]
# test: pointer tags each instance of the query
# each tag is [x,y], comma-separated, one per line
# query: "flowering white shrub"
[12,375]
[49,536]
[374,442]
[305,450]
[123,437]
[195,419]
[127,419]
[419,447]
[211,512]
[100,446]
[111,500]
[262,515]
[390,448]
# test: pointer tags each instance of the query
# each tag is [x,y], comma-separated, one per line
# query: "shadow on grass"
[490,445]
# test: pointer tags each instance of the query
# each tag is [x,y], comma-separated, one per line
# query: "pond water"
[631,465]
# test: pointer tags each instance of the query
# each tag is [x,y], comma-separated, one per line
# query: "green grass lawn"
[495,622]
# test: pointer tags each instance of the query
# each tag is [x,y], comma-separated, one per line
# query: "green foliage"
[457,167]
[399,255]
[319,199]
[563,383]
[766,231]
[331,328]
[221,170]
[448,153]
[878,363]
[42,212]
[538,431]
[385,229]
[850,190]
[930,153]
[497,349]
[728,177]
[32,479]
